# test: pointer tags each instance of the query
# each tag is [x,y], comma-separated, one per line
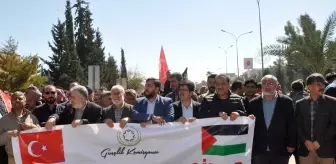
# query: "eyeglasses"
[267,83]
[47,93]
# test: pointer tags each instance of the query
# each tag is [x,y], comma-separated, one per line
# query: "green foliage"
[305,48]
[109,73]
[16,73]
[123,69]
[135,80]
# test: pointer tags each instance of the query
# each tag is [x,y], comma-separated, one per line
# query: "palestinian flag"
[214,139]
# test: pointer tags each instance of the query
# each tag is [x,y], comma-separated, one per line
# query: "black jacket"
[43,112]
[178,109]
[324,125]
[282,131]
[92,114]
[212,105]
[108,112]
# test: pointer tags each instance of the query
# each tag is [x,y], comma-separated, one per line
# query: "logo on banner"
[129,136]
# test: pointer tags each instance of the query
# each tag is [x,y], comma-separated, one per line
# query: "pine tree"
[59,61]
[100,55]
[123,69]
[75,71]
[10,46]
[110,72]
[80,33]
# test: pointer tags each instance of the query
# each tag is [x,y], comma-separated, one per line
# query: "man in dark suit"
[275,127]
[79,111]
[119,111]
[153,107]
[316,118]
[186,110]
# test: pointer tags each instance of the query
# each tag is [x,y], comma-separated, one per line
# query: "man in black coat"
[79,111]
[275,127]
[186,110]
[223,103]
[316,118]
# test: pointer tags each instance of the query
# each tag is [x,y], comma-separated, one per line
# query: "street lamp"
[261,42]
[237,45]
[225,50]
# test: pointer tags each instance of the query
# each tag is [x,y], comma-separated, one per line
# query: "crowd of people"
[302,123]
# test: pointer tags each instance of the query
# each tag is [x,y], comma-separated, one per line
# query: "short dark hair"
[222,75]
[236,85]
[250,81]
[89,89]
[331,76]
[157,82]
[176,75]
[297,86]
[189,84]
[315,77]
[131,92]
[212,76]
[259,85]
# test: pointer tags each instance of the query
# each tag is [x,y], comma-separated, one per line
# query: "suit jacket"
[282,131]
[163,108]
[178,109]
[92,114]
[324,125]
[108,113]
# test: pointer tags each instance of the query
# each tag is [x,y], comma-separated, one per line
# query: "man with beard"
[250,89]
[211,87]
[222,103]
[275,126]
[153,108]
[316,118]
[17,120]
[119,111]
[79,111]
[50,107]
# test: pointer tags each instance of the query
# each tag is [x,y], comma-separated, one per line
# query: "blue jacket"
[163,108]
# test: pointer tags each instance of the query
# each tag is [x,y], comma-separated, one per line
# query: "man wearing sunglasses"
[50,107]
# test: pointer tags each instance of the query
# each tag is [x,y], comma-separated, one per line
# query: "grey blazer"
[108,112]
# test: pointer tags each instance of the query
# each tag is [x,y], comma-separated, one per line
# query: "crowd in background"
[301,123]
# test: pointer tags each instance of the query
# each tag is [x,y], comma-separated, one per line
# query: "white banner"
[210,141]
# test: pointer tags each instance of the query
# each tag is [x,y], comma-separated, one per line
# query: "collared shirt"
[268,109]
[118,113]
[151,106]
[313,108]
[79,113]
[187,112]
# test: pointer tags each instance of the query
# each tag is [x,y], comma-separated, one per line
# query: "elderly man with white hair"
[119,111]
[275,133]
[79,111]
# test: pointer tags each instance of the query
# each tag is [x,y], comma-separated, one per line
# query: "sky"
[188,30]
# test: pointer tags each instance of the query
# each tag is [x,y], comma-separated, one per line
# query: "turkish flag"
[42,147]
[163,67]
